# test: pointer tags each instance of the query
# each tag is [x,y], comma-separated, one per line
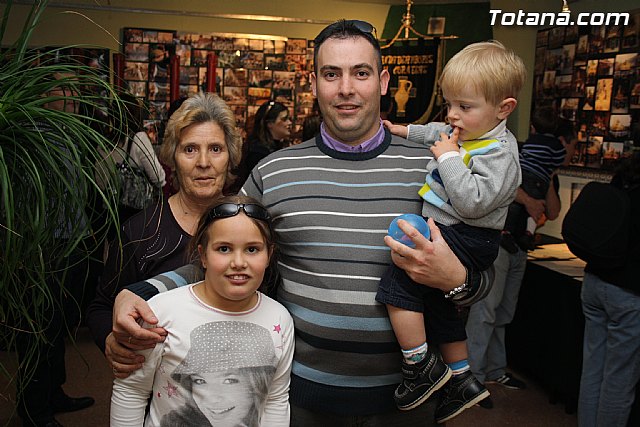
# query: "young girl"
[226,360]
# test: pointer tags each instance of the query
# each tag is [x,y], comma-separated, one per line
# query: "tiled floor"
[88,374]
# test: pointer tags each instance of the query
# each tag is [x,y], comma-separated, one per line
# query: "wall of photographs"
[591,75]
[250,71]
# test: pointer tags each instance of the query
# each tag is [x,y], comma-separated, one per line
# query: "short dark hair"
[545,120]
[345,29]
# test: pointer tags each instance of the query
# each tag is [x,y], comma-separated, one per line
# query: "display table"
[544,341]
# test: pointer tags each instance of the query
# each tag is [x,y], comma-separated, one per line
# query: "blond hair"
[494,71]
[202,108]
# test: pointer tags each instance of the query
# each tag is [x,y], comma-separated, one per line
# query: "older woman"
[201,146]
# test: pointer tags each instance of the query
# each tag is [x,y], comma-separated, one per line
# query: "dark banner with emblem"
[413,70]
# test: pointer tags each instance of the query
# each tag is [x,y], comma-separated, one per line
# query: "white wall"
[60,27]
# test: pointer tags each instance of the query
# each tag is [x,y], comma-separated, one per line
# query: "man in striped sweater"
[332,199]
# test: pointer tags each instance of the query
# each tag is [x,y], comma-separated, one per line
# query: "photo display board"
[591,75]
[250,71]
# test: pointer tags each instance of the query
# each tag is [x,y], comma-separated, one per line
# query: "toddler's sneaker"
[419,381]
[462,392]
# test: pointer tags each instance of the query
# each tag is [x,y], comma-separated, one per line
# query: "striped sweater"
[331,211]
[541,154]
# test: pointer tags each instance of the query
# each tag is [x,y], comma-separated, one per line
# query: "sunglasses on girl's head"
[227,210]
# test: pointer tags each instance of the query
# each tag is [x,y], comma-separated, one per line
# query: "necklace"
[182,208]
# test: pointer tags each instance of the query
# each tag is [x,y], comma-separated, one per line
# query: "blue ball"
[416,222]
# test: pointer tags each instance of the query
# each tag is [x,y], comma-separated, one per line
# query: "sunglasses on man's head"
[227,210]
[363,26]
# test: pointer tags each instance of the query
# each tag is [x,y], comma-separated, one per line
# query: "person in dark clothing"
[540,155]
[611,306]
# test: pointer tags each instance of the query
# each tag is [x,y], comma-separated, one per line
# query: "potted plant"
[53,212]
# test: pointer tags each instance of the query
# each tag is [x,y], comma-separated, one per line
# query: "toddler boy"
[469,185]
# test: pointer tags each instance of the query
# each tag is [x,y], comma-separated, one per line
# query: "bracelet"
[458,289]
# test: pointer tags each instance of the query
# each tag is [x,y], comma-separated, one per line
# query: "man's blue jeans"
[611,353]
[489,317]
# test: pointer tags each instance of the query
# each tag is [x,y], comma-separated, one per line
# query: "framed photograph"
[235,77]
[138,89]
[228,59]
[592,71]
[221,43]
[589,98]
[258,95]
[158,110]
[269,46]
[252,60]
[296,47]
[184,52]
[619,126]
[240,44]
[189,75]
[630,32]
[235,95]
[136,52]
[158,73]
[583,46]
[553,61]
[133,35]
[596,39]
[620,100]
[136,71]
[566,62]
[611,153]
[563,85]
[594,152]
[600,123]
[240,114]
[260,78]
[612,38]
[256,44]
[605,67]
[556,37]
[542,38]
[279,46]
[158,91]
[604,87]
[549,83]
[435,26]
[634,102]
[199,57]
[150,36]
[295,62]
[625,64]
[188,90]
[274,62]
[571,34]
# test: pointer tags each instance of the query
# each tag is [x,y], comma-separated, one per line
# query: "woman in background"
[271,129]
